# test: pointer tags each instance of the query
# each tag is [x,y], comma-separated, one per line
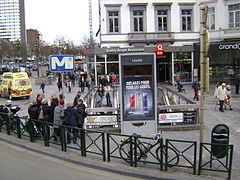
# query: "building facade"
[173,26]
[12,22]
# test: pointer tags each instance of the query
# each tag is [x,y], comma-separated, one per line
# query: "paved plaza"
[212,117]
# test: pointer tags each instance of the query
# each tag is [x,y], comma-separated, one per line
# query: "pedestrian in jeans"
[221,95]
[196,87]
[42,86]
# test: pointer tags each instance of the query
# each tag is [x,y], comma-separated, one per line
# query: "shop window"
[183,66]
[112,57]
[234,15]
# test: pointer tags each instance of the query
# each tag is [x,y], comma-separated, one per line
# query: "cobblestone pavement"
[212,117]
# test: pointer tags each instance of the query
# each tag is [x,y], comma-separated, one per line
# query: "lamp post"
[204,66]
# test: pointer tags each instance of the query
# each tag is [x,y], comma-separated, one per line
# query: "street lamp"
[204,66]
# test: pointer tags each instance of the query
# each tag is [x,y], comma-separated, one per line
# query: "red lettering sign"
[159,49]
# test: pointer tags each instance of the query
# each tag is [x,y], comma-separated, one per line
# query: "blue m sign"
[61,63]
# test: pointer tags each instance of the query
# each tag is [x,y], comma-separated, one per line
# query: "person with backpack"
[196,87]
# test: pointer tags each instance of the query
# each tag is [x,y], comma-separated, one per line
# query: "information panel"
[138,84]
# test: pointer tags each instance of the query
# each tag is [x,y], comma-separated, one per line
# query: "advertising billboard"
[137,88]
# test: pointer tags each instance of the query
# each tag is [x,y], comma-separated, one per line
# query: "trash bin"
[220,135]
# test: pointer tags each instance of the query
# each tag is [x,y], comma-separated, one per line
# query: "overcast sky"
[56,18]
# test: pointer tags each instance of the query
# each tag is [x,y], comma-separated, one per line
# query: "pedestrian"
[71,116]
[107,90]
[100,91]
[196,87]
[53,103]
[33,114]
[47,117]
[237,82]
[10,90]
[78,95]
[228,99]
[33,110]
[114,80]
[58,118]
[59,85]
[69,85]
[99,105]
[42,86]
[179,86]
[81,109]
[221,96]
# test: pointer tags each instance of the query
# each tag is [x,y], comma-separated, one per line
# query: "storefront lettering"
[229,46]
[123,50]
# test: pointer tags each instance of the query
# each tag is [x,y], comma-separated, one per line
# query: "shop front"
[174,63]
[224,61]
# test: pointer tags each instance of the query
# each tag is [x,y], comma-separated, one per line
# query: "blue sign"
[61,63]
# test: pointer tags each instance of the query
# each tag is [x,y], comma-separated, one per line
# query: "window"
[186,19]
[162,18]
[234,15]
[138,18]
[211,19]
[113,21]
[113,18]
[138,21]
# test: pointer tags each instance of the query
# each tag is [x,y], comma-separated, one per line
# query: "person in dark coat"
[47,114]
[33,113]
[82,113]
[59,85]
[42,86]
[71,116]
[33,110]
[76,98]
[53,103]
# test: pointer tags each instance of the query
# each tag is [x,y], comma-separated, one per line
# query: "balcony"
[150,37]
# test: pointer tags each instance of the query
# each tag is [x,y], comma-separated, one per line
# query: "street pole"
[203,66]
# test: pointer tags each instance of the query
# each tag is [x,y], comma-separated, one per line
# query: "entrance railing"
[133,150]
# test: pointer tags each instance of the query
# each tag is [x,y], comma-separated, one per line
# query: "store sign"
[123,50]
[159,49]
[170,118]
[233,46]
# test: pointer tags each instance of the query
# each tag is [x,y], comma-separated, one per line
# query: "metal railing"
[133,150]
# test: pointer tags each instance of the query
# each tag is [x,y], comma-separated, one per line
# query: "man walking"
[221,95]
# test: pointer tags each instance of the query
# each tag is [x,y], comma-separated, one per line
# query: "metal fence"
[163,154]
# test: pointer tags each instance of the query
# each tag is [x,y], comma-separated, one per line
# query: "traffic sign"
[61,63]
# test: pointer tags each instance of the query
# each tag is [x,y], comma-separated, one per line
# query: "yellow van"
[16,84]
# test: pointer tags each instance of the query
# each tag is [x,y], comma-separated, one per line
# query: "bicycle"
[143,148]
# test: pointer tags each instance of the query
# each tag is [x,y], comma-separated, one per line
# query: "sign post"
[138,93]
[59,63]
